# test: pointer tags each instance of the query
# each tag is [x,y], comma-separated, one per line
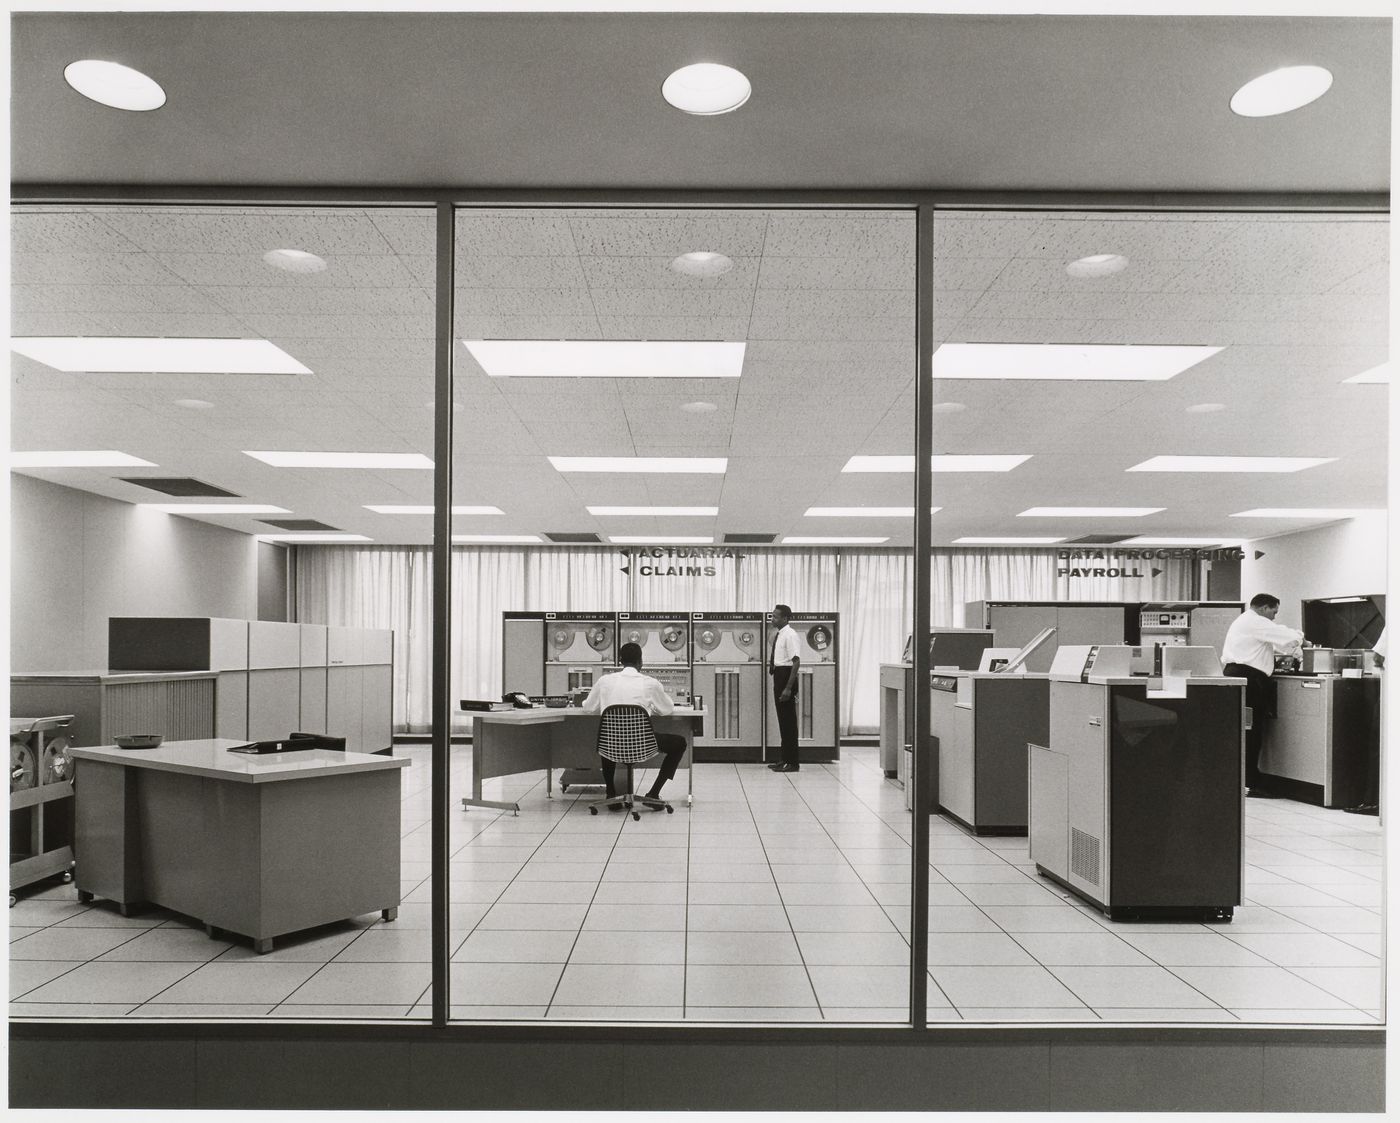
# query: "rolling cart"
[41,801]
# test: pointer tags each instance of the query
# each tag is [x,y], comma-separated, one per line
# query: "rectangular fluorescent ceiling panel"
[497,539]
[1230,463]
[426,509]
[954,463]
[1077,362]
[313,538]
[1006,541]
[679,512]
[97,458]
[1147,541]
[665,539]
[377,461]
[807,540]
[1376,375]
[696,465]
[1088,512]
[1303,513]
[607,358]
[215,508]
[864,512]
[124,355]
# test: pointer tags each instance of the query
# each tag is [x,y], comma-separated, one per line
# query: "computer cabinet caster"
[670,810]
[13,900]
[84,897]
[67,877]
[637,815]
[563,787]
[593,811]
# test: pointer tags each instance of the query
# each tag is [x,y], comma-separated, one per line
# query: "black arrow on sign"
[1156,573]
[1258,554]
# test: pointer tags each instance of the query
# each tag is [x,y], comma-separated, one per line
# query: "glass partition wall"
[218,413]
[666,422]
[660,411]
[1179,408]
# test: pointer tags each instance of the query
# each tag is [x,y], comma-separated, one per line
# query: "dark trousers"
[787,713]
[1259,697]
[671,746]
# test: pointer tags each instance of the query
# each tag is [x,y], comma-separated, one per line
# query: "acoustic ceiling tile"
[59,323]
[65,231]
[982,235]
[669,234]
[1048,275]
[516,272]
[851,303]
[210,325]
[656,273]
[888,237]
[728,303]
[376,301]
[59,268]
[675,327]
[233,231]
[342,271]
[1373,280]
[524,302]
[409,231]
[341,326]
[854,273]
[472,326]
[848,328]
[1160,239]
[534,233]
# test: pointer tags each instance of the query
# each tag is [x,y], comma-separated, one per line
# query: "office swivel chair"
[625,736]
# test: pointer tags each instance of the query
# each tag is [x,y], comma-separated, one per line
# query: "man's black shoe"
[785,767]
[1363,809]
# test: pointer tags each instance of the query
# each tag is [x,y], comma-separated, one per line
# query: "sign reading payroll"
[1116,562]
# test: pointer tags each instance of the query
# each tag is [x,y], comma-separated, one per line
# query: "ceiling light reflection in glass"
[1080,362]
[607,358]
[92,354]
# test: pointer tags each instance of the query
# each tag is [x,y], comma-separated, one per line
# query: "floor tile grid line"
[136,933]
[856,795]
[806,970]
[553,994]
[685,941]
[1322,860]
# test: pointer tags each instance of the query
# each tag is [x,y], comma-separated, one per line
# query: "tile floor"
[773,898]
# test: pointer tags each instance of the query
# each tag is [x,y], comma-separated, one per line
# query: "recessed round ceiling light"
[699,407]
[194,403]
[115,85]
[1097,265]
[1206,407]
[706,89]
[948,407]
[295,261]
[1281,91]
[702,263]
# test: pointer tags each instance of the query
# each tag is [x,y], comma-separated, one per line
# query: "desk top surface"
[211,758]
[543,715]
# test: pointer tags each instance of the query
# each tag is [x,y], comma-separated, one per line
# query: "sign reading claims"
[676,561]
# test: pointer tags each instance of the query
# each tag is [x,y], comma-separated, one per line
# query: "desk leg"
[549,783]
[390,914]
[475,799]
[262,947]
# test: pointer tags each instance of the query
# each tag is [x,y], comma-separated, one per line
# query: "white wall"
[1344,559]
[77,559]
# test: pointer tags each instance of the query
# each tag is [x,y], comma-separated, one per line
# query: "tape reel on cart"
[57,765]
[24,768]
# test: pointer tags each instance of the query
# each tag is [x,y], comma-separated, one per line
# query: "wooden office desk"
[509,742]
[258,845]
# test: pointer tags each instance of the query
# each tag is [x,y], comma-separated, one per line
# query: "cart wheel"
[637,815]
[13,899]
[670,810]
[67,877]
[593,811]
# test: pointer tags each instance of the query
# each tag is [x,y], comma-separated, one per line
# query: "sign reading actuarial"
[676,561]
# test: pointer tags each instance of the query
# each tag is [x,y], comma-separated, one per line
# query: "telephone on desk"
[518,700]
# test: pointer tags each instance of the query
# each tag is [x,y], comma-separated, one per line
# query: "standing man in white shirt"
[1248,653]
[629,687]
[783,662]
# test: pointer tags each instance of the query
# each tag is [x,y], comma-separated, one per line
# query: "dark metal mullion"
[442,606]
[925,771]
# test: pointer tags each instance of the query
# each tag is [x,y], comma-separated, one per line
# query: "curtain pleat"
[391,587]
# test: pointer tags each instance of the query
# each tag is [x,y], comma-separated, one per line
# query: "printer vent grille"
[1084,855]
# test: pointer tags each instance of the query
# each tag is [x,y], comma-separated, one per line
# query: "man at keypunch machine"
[629,687]
[1248,653]
[783,662]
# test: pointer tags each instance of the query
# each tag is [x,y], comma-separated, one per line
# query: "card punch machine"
[296,743]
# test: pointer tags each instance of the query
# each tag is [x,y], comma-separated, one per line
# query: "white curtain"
[391,587]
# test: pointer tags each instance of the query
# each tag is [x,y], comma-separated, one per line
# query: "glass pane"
[180,377]
[765,349]
[1146,372]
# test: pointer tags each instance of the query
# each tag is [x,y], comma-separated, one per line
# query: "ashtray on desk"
[139,741]
[556,701]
